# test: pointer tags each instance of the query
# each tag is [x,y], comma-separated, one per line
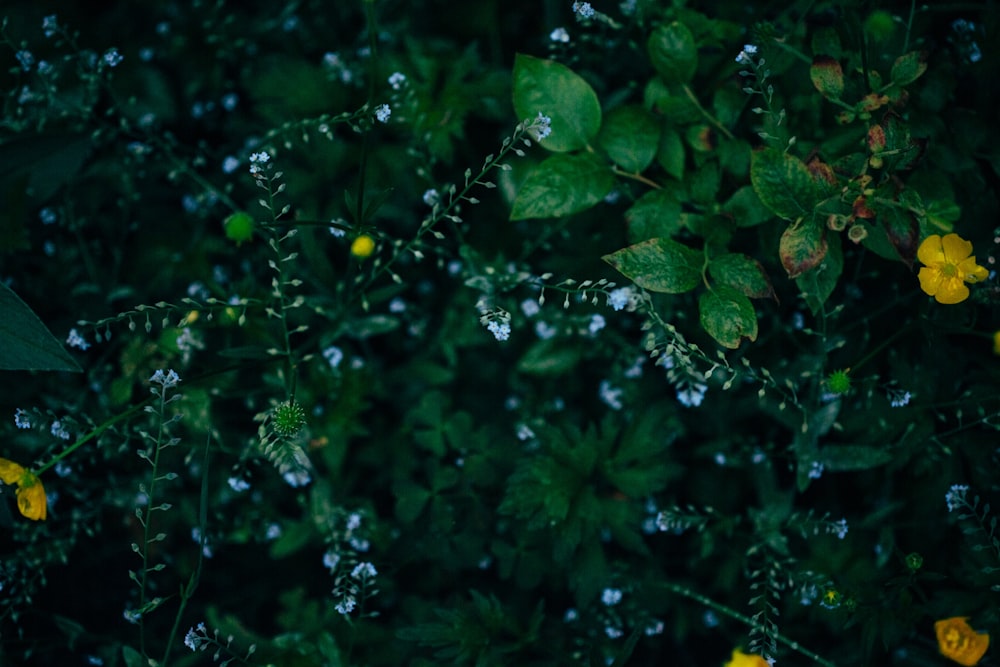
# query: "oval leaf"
[908,68]
[659,265]
[25,343]
[554,90]
[656,214]
[817,284]
[828,76]
[783,183]
[630,135]
[742,273]
[562,185]
[673,52]
[727,316]
[803,246]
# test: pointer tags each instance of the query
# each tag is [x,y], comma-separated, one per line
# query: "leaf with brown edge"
[828,76]
[803,245]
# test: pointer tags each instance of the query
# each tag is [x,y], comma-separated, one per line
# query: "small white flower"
[500,330]
[955,497]
[559,35]
[745,56]
[596,323]
[583,10]
[331,560]
[230,164]
[25,58]
[58,430]
[353,521]
[346,606]
[112,58]
[364,571]
[396,80]
[47,216]
[612,396]
[898,399]
[622,298]
[431,197]
[691,394]
[382,113]
[50,25]
[166,380]
[544,330]
[21,419]
[530,307]
[229,101]
[839,528]
[297,478]
[333,355]
[238,484]
[611,596]
[540,127]
[816,470]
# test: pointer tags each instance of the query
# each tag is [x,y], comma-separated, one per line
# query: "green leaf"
[670,153]
[562,185]
[742,273]
[673,52]
[841,458]
[132,657]
[630,135]
[25,343]
[783,183]
[908,68]
[727,315]
[705,182]
[656,214]
[746,208]
[659,265]
[549,357]
[828,76]
[817,284]
[410,500]
[803,245]
[554,90]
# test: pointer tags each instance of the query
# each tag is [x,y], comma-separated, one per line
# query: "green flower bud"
[288,419]
[239,227]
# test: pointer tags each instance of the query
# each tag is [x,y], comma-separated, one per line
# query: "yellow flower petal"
[996,343]
[930,251]
[952,290]
[10,472]
[955,248]
[972,272]
[959,642]
[741,659]
[31,500]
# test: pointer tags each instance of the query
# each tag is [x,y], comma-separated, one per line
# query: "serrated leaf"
[908,68]
[630,135]
[673,52]
[554,90]
[727,315]
[803,245]
[783,183]
[25,343]
[828,76]
[659,265]
[742,273]
[562,185]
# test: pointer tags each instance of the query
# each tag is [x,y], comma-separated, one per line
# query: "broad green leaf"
[25,343]
[902,151]
[630,135]
[670,153]
[908,68]
[671,102]
[803,245]
[818,283]
[549,357]
[410,500]
[554,90]
[783,183]
[705,182]
[562,185]
[742,273]
[49,161]
[656,214]
[727,315]
[673,52]
[828,76]
[659,265]
[746,208]
[841,458]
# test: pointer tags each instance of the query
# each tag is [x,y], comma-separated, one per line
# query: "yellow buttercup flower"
[996,343]
[959,642]
[30,492]
[948,265]
[741,659]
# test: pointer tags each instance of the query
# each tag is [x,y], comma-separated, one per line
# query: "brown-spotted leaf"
[828,76]
[803,245]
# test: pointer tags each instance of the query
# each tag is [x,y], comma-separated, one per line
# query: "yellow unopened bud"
[363,246]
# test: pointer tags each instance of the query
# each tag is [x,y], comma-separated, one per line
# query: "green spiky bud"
[288,419]
[839,382]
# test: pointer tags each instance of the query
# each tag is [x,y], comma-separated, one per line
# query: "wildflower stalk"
[161,442]
[746,620]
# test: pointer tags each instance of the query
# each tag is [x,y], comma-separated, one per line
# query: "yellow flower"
[996,343]
[30,493]
[363,246]
[959,642]
[741,659]
[948,265]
